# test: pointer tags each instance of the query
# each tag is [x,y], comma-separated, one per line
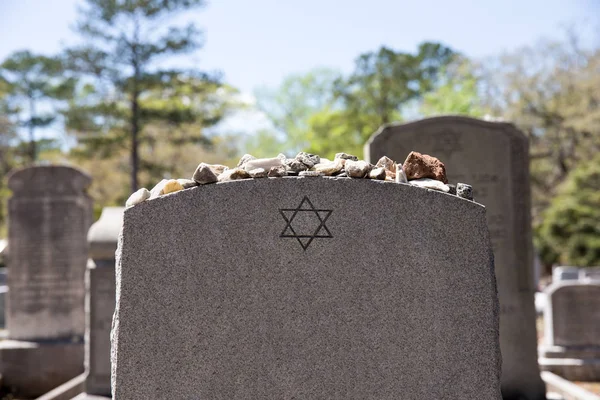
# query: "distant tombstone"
[590,273]
[571,345]
[492,157]
[565,274]
[100,299]
[49,215]
[305,288]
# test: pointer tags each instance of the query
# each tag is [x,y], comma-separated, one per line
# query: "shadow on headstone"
[49,215]
[494,158]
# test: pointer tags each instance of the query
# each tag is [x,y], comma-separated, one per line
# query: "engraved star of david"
[309,214]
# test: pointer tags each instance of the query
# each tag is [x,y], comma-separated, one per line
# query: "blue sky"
[258,42]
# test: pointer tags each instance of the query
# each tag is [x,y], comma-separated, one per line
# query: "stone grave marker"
[49,215]
[571,346]
[493,157]
[309,287]
[100,299]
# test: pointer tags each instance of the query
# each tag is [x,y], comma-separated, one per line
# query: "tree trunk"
[32,144]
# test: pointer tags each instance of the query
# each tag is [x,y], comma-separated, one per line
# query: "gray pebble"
[259,173]
[204,174]
[465,191]
[245,158]
[345,156]
[311,173]
[138,197]
[295,166]
[357,169]
[277,172]
[452,189]
[377,173]
[187,183]
[310,160]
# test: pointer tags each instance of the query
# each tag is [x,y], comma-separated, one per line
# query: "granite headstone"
[571,345]
[493,157]
[307,287]
[49,215]
[100,299]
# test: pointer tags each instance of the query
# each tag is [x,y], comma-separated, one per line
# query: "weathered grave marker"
[305,288]
[571,346]
[49,215]
[494,158]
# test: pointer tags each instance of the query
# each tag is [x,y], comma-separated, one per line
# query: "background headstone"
[305,288]
[494,159]
[49,214]
[100,299]
[572,330]
[565,273]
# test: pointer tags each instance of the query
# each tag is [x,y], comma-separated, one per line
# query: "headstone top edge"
[263,183]
[557,286]
[507,127]
[22,178]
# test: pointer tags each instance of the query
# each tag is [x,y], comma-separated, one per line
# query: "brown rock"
[417,166]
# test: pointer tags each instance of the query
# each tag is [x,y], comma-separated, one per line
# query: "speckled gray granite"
[493,157]
[305,288]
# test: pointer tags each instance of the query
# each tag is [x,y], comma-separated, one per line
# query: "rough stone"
[329,168]
[277,172]
[265,163]
[310,160]
[452,189]
[218,169]
[571,346]
[171,186]
[387,163]
[417,166]
[430,184]
[245,158]
[204,174]
[137,197]
[494,158]
[465,191]
[344,156]
[311,173]
[357,169]
[233,174]
[400,176]
[49,216]
[259,173]
[187,183]
[264,312]
[377,173]
[295,166]
[157,190]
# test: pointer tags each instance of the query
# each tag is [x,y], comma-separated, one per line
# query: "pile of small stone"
[418,170]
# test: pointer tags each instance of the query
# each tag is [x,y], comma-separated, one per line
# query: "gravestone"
[571,345]
[49,215]
[565,273]
[309,287]
[100,299]
[493,158]
[590,273]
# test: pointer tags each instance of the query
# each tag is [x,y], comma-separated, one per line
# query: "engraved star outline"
[321,214]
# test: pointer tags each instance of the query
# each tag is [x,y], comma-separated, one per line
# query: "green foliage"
[324,112]
[127,95]
[570,229]
[457,92]
[28,80]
